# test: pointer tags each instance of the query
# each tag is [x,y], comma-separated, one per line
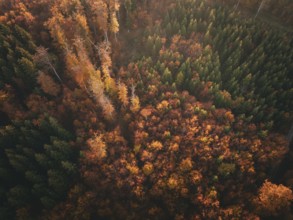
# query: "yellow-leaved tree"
[97,149]
[135,103]
[123,94]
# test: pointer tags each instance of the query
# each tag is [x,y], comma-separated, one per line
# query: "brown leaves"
[274,199]
[19,14]
[47,84]
[42,57]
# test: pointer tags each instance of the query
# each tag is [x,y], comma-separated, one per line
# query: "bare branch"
[42,57]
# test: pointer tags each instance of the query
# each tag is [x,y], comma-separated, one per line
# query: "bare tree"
[42,57]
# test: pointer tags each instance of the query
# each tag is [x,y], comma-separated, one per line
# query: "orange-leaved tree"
[274,199]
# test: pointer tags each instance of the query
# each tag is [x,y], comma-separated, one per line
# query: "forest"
[145,109]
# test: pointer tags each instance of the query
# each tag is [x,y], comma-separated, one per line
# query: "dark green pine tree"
[38,164]
[16,59]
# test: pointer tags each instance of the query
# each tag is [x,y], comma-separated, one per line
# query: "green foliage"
[40,163]
[16,58]
[210,84]
[179,79]
[246,58]
[167,76]
[226,169]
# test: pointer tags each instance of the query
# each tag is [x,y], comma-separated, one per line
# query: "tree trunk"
[259,8]
[106,36]
[236,6]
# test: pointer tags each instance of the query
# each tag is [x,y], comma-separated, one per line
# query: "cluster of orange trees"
[181,124]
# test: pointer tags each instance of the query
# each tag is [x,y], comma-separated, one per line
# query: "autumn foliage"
[274,199]
[134,109]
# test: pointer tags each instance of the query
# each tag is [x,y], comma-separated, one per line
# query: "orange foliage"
[18,14]
[97,149]
[156,145]
[146,112]
[123,94]
[274,199]
[186,164]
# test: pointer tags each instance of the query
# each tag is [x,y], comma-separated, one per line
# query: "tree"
[17,67]
[54,25]
[135,103]
[18,14]
[47,84]
[179,79]
[123,94]
[114,25]
[38,158]
[167,76]
[99,14]
[42,57]
[97,149]
[274,199]
[104,50]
